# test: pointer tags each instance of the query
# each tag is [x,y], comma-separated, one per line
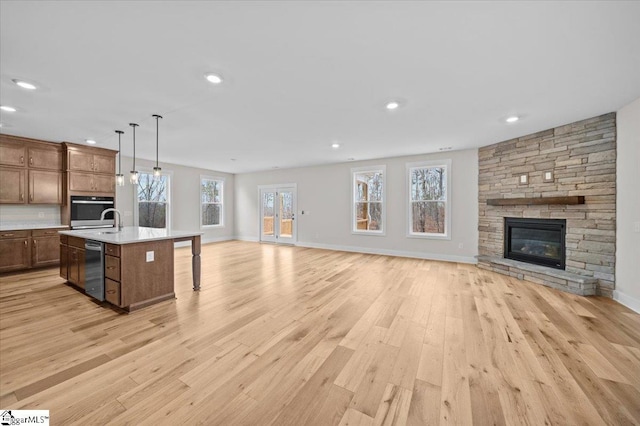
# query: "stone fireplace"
[563,174]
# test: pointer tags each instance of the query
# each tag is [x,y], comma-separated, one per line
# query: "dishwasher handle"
[93,246]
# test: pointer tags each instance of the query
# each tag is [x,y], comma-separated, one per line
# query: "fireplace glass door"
[537,241]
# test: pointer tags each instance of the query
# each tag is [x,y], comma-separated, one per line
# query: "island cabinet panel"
[112,250]
[112,292]
[64,262]
[144,282]
[112,267]
[76,266]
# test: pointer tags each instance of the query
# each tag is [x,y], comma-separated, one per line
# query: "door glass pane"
[286,214]
[267,213]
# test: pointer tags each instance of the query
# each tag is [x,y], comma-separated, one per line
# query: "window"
[211,193]
[368,213]
[429,209]
[153,200]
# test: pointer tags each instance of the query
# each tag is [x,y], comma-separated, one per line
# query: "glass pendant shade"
[120,179]
[133,177]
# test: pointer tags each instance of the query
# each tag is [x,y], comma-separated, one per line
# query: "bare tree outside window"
[211,201]
[428,187]
[368,198]
[153,197]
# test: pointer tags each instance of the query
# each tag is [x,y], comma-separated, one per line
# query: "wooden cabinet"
[64,261]
[87,182]
[14,250]
[12,152]
[75,265]
[84,161]
[24,249]
[49,158]
[112,292]
[30,171]
[12,185]
[44,247]
[112,282]
[45,187]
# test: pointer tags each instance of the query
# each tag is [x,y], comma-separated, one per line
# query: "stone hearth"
[582,159]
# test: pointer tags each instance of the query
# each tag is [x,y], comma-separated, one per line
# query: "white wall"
[627,289]
[184,198]
[325,192]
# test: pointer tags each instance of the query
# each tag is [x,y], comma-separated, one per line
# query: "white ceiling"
[302,75]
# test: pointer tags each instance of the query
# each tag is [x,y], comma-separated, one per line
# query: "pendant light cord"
[157,117]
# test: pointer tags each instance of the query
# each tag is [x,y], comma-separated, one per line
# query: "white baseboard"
[626,300]
[250,239]
[387,252]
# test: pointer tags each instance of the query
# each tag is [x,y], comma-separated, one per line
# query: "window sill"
[370,233]
[211,226]
[429,236]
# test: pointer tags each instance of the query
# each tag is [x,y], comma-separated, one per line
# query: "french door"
[278,214]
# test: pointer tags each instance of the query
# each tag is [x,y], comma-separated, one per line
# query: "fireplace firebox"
[537,241]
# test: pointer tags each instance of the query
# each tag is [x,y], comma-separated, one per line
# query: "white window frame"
[221,203]
[359,170]
[136,208]
[446,164]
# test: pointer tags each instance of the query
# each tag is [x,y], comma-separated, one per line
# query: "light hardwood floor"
[295,336]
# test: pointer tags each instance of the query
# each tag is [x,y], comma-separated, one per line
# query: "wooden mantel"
[575,199]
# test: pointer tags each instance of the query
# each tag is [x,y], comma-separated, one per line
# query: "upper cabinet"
[30,171]
[84,161]
[90,169]
[12,152]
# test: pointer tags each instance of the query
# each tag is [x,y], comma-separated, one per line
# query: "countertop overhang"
[130,234]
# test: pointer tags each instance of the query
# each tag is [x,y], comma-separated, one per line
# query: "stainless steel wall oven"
[86,211]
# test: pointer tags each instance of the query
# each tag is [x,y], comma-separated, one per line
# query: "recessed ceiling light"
[8,108]
[392,105]
[90,141]
[25,84]
[213,78]
[335,145]
[512,119]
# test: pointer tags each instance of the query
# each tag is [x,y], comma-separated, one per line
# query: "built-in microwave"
[86,212]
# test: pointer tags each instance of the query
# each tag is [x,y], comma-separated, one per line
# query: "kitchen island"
[136,263]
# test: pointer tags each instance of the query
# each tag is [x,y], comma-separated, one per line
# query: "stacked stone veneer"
[582,156]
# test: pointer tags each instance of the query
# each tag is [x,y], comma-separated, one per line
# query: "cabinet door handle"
[111,267]
[7,235]
[31,161]
[22,159]
[21,197]
[25,243]
[31,196]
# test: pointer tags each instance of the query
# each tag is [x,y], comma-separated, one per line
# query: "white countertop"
[129,234]
[28,226]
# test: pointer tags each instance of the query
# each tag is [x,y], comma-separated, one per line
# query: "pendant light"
[119,176]
[133,178]
[156,170]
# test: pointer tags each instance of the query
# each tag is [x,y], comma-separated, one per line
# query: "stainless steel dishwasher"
[94,269]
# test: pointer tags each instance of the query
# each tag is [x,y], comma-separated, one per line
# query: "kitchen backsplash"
[10,214]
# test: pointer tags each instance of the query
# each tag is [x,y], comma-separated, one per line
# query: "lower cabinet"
[112,292]
[24,249]
[112,281]
[75,261]
[44,248]
[14,251]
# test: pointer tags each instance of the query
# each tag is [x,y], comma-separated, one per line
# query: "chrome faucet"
[104,213]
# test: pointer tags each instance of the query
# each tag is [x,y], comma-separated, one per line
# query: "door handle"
[25,243]
[22,159]
[21,197]
[31,197]
[31,161]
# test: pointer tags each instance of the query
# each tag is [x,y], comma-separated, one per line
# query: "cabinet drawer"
[112,250]
[14,234]
[112,267]
[76,242]
[112,291]
[45,232]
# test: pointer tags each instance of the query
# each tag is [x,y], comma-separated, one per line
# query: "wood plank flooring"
[296,336]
